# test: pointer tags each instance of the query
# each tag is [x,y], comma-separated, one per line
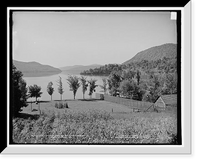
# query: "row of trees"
[74,84]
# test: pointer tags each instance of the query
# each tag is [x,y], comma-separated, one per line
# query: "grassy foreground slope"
[90,126]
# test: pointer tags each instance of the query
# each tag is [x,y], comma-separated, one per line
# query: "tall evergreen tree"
[138,74]
[19,91]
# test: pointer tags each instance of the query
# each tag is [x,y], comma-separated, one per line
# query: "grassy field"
[94,122]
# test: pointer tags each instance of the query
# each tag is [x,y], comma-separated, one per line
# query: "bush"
[61,105]
[174,139]
[56,105]
[66,105]
[101,97]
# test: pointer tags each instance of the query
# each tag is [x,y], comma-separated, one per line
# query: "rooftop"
[169,99]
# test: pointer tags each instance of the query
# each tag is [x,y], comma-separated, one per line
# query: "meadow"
[94,122]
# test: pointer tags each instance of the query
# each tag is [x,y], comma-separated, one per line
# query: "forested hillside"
[155,53]
[143,77]
[158,59]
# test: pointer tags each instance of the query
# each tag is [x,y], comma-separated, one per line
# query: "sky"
[83,38]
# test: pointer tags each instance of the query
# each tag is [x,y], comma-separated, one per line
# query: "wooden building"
[166,100]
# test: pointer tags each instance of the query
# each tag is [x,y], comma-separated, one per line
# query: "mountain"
[69,67]
[154,53]
[77,69]
[35,69]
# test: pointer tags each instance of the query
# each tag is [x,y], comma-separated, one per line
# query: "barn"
[166,100]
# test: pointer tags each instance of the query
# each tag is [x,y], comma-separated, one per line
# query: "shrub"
[56,105]
[61,105]
[66,105]
[174,139]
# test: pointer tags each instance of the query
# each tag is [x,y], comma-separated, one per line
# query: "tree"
[104,86]
[170,85]
[127,88]
[60,87]
[35,91]
[114,80]
[138,74]
[73,84]
[92,86]
[154,88]
[128,74]
[50,89]
[19,91]
[84,85]
[131,90]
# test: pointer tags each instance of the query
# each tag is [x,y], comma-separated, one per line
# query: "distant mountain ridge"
[77,69]
[168,50]
[69,67]
[34,69]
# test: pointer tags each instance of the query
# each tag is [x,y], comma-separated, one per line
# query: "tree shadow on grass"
[93,100]
[28,116]
[43,101]
[65,100]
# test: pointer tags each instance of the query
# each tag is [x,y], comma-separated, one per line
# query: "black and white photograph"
[95,78]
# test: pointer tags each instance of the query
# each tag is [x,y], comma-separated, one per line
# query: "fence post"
[31,106]
[39,107]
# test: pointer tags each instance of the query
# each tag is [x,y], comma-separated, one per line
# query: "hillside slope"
[158,52]
[69,67]
[77,69]
[35,69]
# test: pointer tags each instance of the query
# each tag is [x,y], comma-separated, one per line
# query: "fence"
[133,104]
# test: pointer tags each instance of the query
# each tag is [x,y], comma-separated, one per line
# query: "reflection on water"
[43,82]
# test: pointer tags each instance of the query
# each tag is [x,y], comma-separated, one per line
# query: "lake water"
[44,80]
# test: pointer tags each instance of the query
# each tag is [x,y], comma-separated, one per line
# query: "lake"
[44,80]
